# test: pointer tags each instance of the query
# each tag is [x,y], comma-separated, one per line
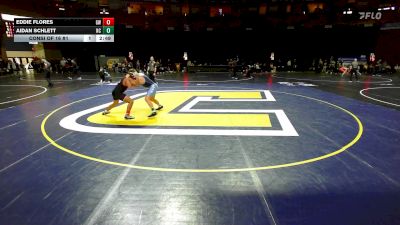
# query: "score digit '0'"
[108,21]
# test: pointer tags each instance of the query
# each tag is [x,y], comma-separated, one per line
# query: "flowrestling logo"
[370,15]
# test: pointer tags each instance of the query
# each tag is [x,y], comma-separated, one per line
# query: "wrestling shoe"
[154,113]
[128,117]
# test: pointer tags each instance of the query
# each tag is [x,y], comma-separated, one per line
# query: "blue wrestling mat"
[274,149]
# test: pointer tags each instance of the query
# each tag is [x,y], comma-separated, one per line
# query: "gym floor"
[285,148]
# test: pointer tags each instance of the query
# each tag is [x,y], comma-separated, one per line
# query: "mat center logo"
[192,112]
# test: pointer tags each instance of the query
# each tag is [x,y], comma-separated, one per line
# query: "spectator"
[152,69]
[397,68]
[233,65]
[354,70]
[63,63]
[138,65]
[45,67]
[75,69]
[343,70]
[11,67]
[104,75]
[289,65]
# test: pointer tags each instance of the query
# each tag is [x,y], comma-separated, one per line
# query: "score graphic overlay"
[64,30]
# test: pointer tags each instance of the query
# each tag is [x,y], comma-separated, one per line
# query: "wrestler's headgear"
[132,71]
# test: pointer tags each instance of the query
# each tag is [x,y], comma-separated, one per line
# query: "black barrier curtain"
[217,47]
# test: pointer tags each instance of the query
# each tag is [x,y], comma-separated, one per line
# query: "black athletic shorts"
[118,92]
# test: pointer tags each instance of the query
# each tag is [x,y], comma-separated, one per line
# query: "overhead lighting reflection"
[8,17]
[104,11]
[176,209]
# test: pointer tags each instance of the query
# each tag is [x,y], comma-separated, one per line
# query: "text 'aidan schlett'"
[35,30]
